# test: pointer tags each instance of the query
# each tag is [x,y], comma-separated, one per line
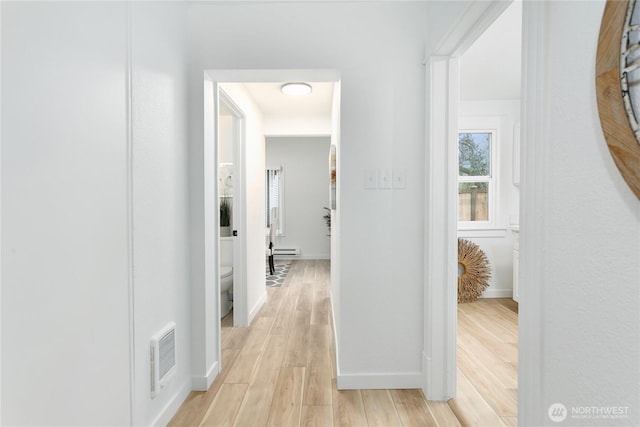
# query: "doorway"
[231,190]
[488,219]
[441,270]
[225,92]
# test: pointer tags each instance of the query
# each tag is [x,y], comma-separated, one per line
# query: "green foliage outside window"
[474,159]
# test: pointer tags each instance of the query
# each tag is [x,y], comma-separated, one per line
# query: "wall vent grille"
[163,358]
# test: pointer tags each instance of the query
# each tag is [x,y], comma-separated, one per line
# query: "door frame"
[240,309]
[441,131]
[442,112]
[205,328]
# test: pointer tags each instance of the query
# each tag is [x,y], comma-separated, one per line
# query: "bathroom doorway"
[231,249]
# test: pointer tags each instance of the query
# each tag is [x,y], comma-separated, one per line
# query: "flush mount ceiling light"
[296,89]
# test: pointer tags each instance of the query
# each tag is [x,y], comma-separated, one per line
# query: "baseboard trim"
[173,405]
[497,293]
[335,334]
[203,383]
[434,383]
[379,381]
[258,305]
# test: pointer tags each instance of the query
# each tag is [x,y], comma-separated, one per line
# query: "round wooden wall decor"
[474,271]
[618,86]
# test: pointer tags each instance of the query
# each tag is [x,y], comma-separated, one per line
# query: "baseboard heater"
[290,250]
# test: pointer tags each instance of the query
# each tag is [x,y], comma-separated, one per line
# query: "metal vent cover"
[163,358]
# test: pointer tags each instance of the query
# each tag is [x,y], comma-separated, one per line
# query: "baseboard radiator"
[163,358]
[289,250]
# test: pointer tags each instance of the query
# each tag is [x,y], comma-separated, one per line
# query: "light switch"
[370,179]
[399,178]
[384,179]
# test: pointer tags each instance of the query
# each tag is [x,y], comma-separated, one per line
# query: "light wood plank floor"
[487,363]
[280,371]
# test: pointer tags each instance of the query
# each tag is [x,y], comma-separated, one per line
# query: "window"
[476,177]
[274,195]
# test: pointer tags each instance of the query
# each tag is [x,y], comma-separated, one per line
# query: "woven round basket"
[474,271]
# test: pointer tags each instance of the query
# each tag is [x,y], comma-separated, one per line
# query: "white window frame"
[281,198]
[482,125]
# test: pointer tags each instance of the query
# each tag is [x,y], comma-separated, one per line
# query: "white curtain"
[272,192]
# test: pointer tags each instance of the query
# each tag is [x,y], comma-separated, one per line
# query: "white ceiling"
[491,67]
[273,103]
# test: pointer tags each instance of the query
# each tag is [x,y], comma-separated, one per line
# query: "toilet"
[226,290]
[226,275]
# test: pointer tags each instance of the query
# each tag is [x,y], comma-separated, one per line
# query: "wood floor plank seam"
[281,370]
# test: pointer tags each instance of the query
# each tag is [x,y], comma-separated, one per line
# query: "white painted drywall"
[306,183]
[160,200]
[442,18]
[378,48]
[491,67]
[65,299]
[78,313]
[295,126]
[497,244]
[589,248]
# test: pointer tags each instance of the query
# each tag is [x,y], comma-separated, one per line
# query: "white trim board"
[203,383]
[172,406]
[441,222]
[258,305]
[533,201]
[441,131]
[478,232]
[335,336]
[379,381]
[497,293]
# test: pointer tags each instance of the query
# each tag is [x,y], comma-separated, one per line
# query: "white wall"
[78,305]
[378,48]
[160,200]
[295,126]
[306,191]
[442,19]
[497,243]
[586,253]
[65,308]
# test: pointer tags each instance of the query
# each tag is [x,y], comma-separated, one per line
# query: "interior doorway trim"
[440,301]
[205,321]
[240,311]
[532,409]
[440,274]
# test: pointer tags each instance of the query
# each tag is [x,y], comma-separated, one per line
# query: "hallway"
[280,371]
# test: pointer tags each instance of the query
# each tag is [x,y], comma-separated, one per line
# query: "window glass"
[274,189]
[474,175]
[474,157]
[473,201]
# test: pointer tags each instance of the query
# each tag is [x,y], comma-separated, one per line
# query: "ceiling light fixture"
[296,89]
